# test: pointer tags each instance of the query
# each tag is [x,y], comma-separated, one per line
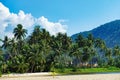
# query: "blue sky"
[76,15]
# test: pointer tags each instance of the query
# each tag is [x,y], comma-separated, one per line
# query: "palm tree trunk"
[32,68]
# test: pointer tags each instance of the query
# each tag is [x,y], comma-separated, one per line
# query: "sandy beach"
[47,76]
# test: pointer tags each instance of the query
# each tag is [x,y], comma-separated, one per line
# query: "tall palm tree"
[45,41]
[35,36]
[19,32]
[66,41]
[86,55]
[77,53]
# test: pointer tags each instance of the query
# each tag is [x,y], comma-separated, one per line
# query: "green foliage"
[87,70]
[42,52]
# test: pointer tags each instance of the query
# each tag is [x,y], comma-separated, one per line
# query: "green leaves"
[19,32]
[42,52]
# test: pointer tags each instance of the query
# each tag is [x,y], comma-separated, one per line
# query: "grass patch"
[73,71]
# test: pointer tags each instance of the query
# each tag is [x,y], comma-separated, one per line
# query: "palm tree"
[116,51]
[90,37]
[36,58]
[77,53]
[5,42]
[86,55]
[81,41]
[19,32]
[18,64]
[35,37]
[99,43]
[108,54]
[90,40]
[92,55]
[116,55]
[66,41]
[57,49]
[45,34]
[13,47]
[45,41]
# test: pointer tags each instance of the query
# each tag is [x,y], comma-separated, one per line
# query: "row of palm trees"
[41,51]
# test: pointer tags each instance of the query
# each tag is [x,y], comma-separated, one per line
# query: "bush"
[74,69]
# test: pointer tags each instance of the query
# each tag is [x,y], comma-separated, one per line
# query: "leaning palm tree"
[19,32]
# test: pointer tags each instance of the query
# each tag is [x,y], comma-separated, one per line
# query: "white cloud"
[27,20]
[4,13]
[52,27]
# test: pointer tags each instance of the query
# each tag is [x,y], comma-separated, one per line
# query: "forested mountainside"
[109,32]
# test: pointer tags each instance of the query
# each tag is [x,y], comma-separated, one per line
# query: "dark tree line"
[41,51]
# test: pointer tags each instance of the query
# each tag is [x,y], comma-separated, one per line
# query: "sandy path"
[67,77]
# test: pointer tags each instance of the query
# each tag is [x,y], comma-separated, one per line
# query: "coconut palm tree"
[116,51]
[36,58]
[81,41]
[66,41]
[35,37]
[90,40]
[108,54]
[99,43]
[77,53]
[86,55]
[13,47]
[5,42]
[19,32]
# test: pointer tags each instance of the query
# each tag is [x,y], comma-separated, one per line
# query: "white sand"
[46,76]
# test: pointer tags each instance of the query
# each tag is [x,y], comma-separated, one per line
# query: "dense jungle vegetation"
[42,52]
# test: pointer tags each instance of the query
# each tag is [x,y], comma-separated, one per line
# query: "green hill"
[109,32]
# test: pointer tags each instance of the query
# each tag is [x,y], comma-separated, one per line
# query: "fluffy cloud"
[4,13]
[10,20]
[27,20]
[53,28]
